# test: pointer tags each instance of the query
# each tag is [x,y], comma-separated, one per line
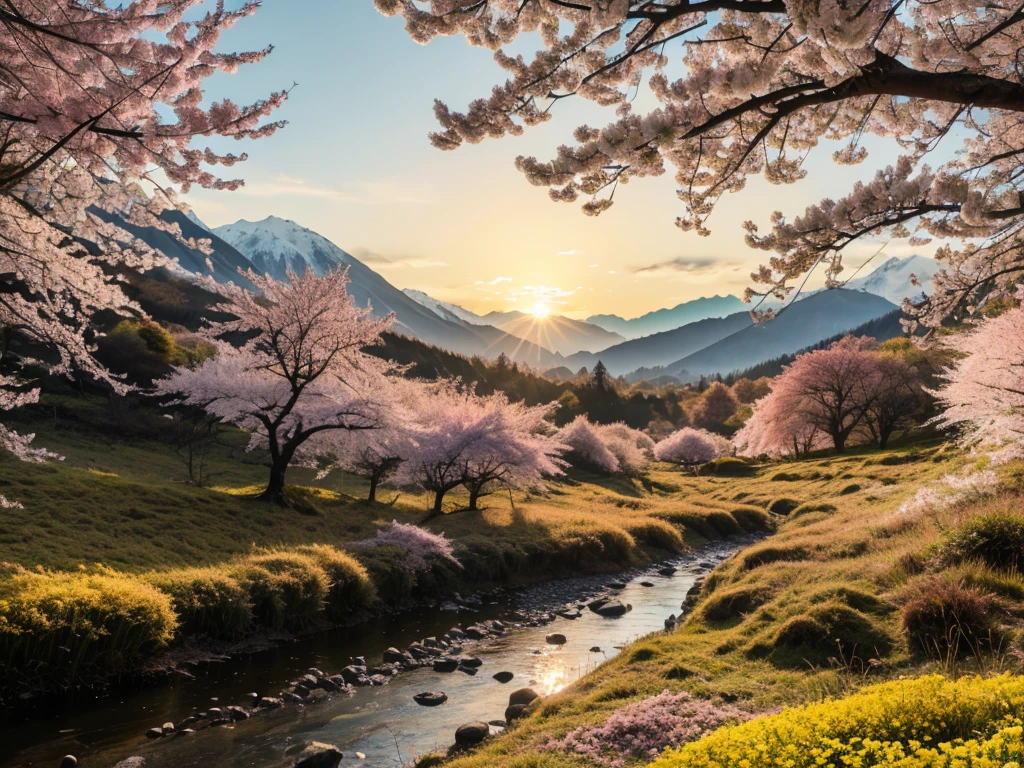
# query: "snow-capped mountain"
[444,309]
[891,279]
[661,320]
[276,245]
[555,333]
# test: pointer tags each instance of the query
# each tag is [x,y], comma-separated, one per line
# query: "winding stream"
[382,723]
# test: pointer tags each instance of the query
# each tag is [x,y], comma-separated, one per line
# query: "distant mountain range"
[667,319]
[801,324]
[704,336]
[556,333]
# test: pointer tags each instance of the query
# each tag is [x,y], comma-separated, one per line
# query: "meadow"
[113,558]
[858,586]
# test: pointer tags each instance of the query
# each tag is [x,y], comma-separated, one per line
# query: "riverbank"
[359,719]
[112,561]
[867,579]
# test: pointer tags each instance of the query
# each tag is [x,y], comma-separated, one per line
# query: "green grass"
[815,611]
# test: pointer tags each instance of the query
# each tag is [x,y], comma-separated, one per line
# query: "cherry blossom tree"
[895,390]
[631,448]
[586,446]
[983,391]
[99,107]
[301,372]
[691,447]
[777,429]
[749,87]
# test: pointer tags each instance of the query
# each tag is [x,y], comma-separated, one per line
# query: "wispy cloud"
[687,264]
[495,281]
[385,191]
[573,252]
[382,263]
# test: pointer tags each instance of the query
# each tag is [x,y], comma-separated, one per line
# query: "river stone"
[570,614]
[353,674]
[597,605]
[168,728]
[430,699]
[69,761]
[667,570]
[237,713]
[269,702]
[595,649]
[317,696]
[394,656]
[319,755]
[132,762]
[617,585]
[154,733]
[472,733]
[471,671]
[522,696]
[476,632]
[456,633]
[504,677]
[471,661]
[446,665]
[555,638]
[514,712]
[612,608]
[646,584]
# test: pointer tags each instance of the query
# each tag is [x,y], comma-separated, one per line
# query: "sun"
[540,310]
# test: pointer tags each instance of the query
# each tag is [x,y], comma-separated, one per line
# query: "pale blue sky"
[355,164]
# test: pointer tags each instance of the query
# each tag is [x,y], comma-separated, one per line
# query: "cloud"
[382,191]
[686,264]
[573,252]
[382,263]
[495,281]
[593,265]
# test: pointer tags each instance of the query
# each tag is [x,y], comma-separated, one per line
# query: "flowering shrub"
[586,446]
[631,448]
[690,447]
[954,489]
[421,545]
[645,728]
[919,723]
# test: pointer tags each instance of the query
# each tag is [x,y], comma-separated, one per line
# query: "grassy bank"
[849,592]
[113,557]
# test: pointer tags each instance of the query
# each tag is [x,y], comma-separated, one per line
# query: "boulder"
[476,632]
[318,755]
[504,677]
[572,615]
[514,712]
[317,696]
[154,733]
[132,762]
[522,696]
[612,608]
[269,702]
[598,604]
[446,665]
[471,733]
[237,713]
[471,661]
[555,638]
[430,699]
[167,728]
[667,570]
[69,761]
[353,674]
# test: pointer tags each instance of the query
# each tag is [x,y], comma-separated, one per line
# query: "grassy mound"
[919,723]
[996,539]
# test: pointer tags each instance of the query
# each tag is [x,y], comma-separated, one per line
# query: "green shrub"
[831,629]
[728,466]
[287,589]
[944,617]
[350,584]
[62,629]
[733,603]
[922,723]
[783,506]
[771,553]
[995,539]
[207,600]
[655,533]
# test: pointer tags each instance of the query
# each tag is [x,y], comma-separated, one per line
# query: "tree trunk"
[839,440]
[474,495]
[374,479]
[438,510]
[275,487]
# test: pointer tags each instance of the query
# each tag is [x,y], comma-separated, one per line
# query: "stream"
[383,723]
